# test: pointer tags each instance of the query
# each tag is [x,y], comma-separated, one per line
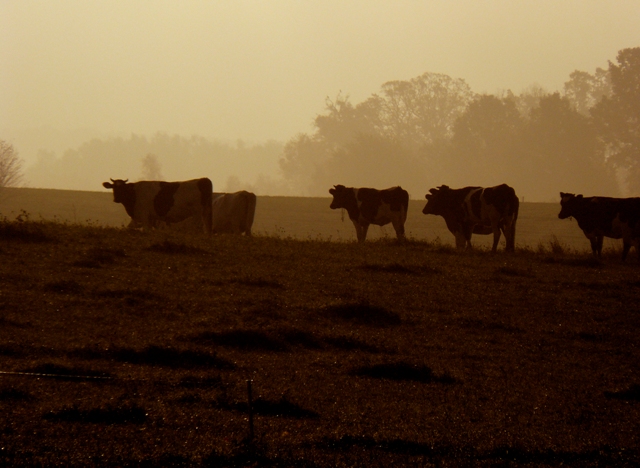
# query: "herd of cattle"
[466,211]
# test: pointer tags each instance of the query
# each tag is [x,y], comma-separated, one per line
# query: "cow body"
[233,212]
[149,203]
[600,217]
[476,210]
[367,206]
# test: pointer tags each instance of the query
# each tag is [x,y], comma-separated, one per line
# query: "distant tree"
[617,117]
[424,109]
[584,90]
[151,168]
[485,144]
[10,166]
[529,99]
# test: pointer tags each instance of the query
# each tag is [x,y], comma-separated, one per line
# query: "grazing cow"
[151,202]
[476,210]
[367,206]
[233,212]
[600,217]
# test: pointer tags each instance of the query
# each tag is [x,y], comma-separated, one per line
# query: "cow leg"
[461,240]
[361,231]
[509,231]
[496,238]
[626,246]
[399,228]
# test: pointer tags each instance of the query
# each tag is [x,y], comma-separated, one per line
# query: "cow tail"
[251,211]
[514,208]
[206,193]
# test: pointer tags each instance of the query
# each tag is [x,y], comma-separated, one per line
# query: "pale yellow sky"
[261,70]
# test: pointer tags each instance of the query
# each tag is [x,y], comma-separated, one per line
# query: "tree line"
[434,130]
[419,133]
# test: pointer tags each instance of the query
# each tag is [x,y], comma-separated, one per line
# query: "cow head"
[121,191]
[341,196]
[437,200]
[570,204]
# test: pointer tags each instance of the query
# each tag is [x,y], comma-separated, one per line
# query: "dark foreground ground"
[134,349]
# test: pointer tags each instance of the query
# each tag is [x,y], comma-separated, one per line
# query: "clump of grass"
[65,372]
[362,312]
[24,230]
[279,408]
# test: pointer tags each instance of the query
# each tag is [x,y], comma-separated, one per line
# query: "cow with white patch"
[600,217]
[476,210]
[233,212]
[149,203]
[367,206]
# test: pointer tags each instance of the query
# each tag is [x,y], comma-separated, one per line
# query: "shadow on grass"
[603,456]
[362,313]
[173,248]
[98,257]
[279,340]
[280,408]
[157,356]
[397,268]
[630,394]
[402,371]
[109,415]
[67,373]
[13,395]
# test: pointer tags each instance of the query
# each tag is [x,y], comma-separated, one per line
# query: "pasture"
[129,348]
[299,218]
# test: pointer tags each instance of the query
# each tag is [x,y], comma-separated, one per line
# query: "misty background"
[290,98]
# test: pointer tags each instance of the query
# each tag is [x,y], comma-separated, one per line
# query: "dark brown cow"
[476,210]
[152,202]
[234,212]
[367,206]
[600,217]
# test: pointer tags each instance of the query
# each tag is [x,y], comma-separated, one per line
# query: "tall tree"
[564,153]
[617,117]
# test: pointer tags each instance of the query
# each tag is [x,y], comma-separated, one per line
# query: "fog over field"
[289,98]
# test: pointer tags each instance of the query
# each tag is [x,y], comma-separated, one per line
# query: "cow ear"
[562,194]
[107,185]
[125,181]
[433,190]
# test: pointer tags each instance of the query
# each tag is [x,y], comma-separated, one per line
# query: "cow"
[233,212]
[367,206]
[150,203]
[476,210]
[600,217]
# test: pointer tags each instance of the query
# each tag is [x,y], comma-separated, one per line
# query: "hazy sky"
[262,69]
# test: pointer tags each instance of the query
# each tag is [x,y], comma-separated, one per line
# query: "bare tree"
[10,166]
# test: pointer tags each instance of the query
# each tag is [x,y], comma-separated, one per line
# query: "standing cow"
[476,210]
[152,202]
[367,206]
[600,217]
[233,212]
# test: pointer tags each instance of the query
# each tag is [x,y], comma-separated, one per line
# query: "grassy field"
[129,348]
[299,218]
